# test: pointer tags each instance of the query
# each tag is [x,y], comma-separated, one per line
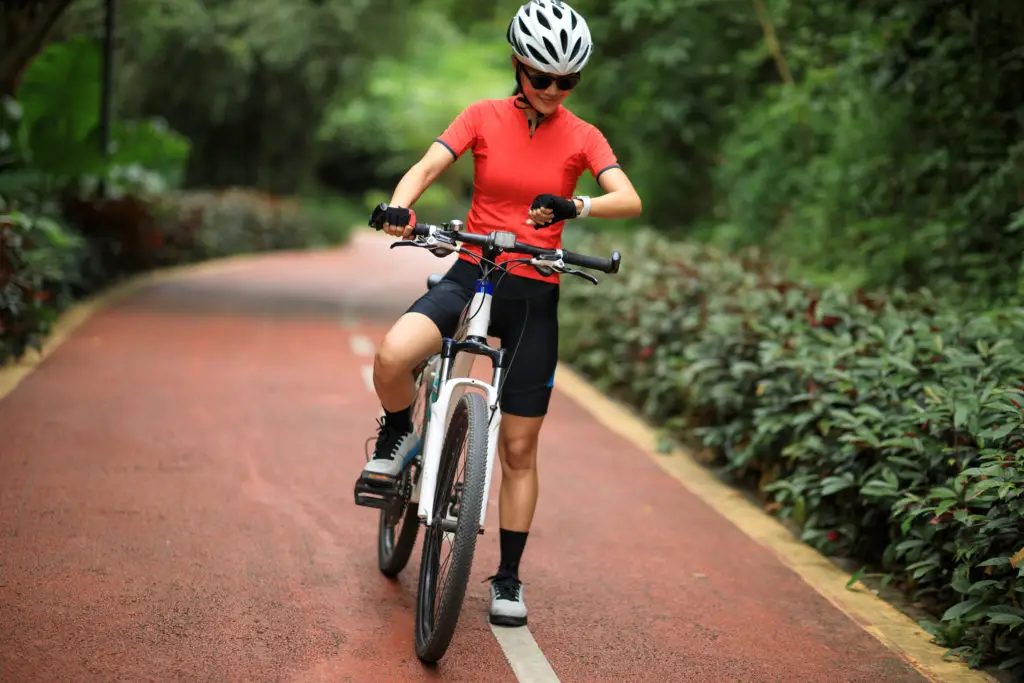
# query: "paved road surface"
[176,504]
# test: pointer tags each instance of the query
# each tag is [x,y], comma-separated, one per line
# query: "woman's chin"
[546,108]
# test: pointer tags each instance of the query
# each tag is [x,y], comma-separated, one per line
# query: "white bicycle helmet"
[550,36]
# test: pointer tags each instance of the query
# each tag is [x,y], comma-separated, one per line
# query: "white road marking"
[367,372]
[524,655]
[361,345]
[521,650]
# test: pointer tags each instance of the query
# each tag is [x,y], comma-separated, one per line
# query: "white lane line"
[367,372]
[521,650]
[524,655]
[361,345]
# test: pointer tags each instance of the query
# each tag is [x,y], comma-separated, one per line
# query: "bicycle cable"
[506,270]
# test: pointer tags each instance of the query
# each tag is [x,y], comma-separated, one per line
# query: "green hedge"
[888,430]
[51,256]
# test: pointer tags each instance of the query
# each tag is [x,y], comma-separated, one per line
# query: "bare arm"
[620,199]
[417,179]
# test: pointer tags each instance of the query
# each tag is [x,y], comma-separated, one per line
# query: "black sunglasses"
[544,81]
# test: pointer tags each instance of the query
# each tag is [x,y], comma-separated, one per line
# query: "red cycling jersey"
[511,168]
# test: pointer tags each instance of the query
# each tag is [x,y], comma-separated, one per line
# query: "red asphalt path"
[176,503]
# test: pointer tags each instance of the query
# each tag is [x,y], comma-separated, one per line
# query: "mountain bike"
[456,420]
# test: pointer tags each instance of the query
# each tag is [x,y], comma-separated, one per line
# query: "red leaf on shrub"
[41,295]
[832,536]
[925,425]
[830,321]
[646,352]
[811,310]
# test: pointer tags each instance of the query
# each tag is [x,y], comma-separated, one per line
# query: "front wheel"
[458,499]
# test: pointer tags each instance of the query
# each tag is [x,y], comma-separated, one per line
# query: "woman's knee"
[409,341]
[519,439]
[392,359]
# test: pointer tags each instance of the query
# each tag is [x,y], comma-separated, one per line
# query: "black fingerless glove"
[563,209]
[393,215]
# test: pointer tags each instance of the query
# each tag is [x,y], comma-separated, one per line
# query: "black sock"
[401,419]
[512,544]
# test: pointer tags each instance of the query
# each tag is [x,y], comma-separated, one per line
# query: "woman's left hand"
[549,208]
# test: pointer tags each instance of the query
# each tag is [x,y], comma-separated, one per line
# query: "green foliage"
[59,241]
[247,81]
[889,430]
[881,145]
[39,267]
[52,131]
[411,97]
[202,225]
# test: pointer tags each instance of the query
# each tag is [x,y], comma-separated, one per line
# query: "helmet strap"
[522,101]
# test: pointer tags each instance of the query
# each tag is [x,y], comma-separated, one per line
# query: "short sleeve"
[598,153]
[462,133]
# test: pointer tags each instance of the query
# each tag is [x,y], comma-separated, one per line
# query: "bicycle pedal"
[375,491]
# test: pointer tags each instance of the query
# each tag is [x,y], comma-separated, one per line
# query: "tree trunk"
[24,29]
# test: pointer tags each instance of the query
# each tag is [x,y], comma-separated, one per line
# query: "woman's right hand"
[396,221]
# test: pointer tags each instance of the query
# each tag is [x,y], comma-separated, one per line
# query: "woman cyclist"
[529,152]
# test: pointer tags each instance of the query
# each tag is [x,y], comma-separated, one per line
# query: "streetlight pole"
[106,100]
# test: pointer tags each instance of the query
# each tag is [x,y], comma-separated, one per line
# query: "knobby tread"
[473,406]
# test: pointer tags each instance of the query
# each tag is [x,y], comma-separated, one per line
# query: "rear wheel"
[398,526]
[458,500]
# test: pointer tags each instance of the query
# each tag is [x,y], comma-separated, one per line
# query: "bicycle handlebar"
[605,265]
[507,242]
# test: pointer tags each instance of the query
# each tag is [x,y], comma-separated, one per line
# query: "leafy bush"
[201,225]
[886,429]
[39,266]
[60,241]
[880,138]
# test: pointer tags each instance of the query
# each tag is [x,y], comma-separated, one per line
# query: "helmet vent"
[575,48]
[537,55]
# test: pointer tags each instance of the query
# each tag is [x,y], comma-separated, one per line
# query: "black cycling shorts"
[524,316]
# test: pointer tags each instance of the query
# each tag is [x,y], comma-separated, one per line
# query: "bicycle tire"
[468,425]
[396,541]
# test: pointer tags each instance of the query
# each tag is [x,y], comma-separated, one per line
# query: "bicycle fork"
[436,429]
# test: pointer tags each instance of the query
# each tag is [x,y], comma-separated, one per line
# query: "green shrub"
[46,265]
[886,429]
[216,224]
[40,261]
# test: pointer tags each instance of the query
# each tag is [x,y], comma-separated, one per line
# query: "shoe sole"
[504,620]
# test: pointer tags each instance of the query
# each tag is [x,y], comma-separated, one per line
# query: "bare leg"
[517,448]
[413,338]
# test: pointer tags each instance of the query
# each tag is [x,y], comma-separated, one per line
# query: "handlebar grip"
[377,221]
[376,218]
[594,262]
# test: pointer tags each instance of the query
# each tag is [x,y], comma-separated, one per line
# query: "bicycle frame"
[450,381]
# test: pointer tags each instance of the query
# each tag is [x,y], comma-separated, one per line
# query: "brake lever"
[585,275]
[406,243]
